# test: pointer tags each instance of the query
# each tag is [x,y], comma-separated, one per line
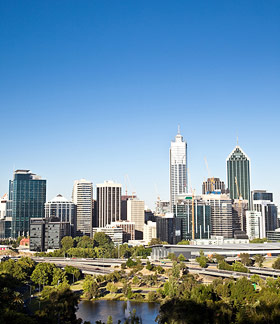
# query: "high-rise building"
[108,202]
[255,226]
[239,208]
[136,214]
[269,214]
[178,168]
[169,228]
[221,214]
[28,195]
[82,197]
[124,200]
[63,210]
[202,217]
[213,184]
[238,174]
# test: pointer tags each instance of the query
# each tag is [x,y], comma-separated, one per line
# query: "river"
[119,310]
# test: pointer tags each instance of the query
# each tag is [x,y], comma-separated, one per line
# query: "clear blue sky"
[95,90]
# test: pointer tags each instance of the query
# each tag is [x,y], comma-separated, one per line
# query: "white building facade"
[82,197]
[255,224]
[178,168]
[150,231]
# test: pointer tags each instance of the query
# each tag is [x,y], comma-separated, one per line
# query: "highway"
[106,266]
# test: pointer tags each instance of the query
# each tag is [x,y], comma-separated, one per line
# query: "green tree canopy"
[67,243]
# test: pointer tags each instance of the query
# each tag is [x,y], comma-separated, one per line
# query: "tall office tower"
[3,206]
[178,168]
[108,202]
[269,213]
[221,214]
[202,217]
[62,210]
[136,214]
[239,208]
[82,197]
[238,168]
[28,195]
[213,184]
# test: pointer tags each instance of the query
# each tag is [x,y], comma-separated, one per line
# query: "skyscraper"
[136,214]
[238,174]
[221,214]
[28,195]
[82,197]
[108,202]
[178,168]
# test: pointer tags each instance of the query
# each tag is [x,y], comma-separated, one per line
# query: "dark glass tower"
[238,174]
[28,195]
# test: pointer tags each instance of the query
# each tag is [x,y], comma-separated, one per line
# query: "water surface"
[119,310]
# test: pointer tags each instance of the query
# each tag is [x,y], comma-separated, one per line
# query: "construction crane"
[212,179]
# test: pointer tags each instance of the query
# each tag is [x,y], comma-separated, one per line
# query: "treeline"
[19,279]
[223,301]
[100,246]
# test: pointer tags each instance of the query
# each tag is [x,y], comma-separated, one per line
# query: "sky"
[95,89]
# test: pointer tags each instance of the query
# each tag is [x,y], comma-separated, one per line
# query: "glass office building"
[202,217]
[27,191]
[238,168]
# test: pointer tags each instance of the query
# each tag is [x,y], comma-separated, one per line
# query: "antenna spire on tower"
[179,131]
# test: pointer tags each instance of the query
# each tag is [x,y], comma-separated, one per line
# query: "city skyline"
[94,91]
[51,193]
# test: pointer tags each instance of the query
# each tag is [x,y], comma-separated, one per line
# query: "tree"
[59,276]
[111,287]
[202,259]
[90,287]
[155,241]
[184,242]
[109,320]
[102,240]
[176,270]
[181,258]
[85,243]
[130,263]
[239,267]
[245,259]
[43,273]
[276,264]
[126,290]
[172,256]
[259,259]
[73,272]
[219,258]
[60,305]
[67,243]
